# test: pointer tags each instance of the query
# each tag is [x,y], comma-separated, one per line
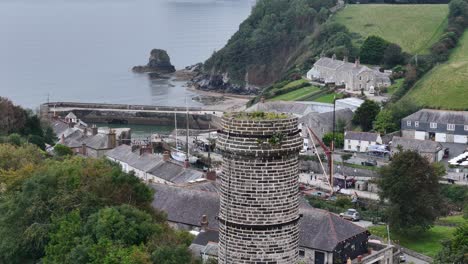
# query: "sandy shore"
[222,101]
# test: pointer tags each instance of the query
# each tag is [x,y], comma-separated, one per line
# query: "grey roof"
[322,123]
[59,127]
[73,137]
[207,185]
[426,146]
[98,141]
[363,136]
[439,116]
[206,236]
[329,63]
[71,115]
[143,162]
[173,172]
[319,229]
[185,205]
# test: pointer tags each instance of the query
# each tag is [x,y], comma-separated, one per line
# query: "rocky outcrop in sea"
[159,62]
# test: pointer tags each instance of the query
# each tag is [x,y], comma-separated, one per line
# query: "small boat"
[177,154]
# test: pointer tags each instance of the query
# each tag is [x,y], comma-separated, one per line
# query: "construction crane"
[328,154]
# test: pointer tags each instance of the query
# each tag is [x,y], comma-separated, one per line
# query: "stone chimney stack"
[262,99]
[357,63]
[259,189]
[111,139]
[345,59]
[83,149]
[166,156]
[204,223]
[210,175]
[334,57]
[94,130]
[62,139]
[85,131]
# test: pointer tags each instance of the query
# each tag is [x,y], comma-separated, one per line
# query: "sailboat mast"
[187,136]
[175,125]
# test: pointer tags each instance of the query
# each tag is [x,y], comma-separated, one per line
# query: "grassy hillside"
[445,86]
[414,27]
[297,94]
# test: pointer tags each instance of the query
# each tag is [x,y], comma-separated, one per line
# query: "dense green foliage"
[26,126]
[77,210]
[62,150]
[411,186]
[267,38]
[384,122]
[366,114]
[339,139]
[455,250]
[372,50]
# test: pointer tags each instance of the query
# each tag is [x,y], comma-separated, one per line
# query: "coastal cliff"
[159,62]
[276,38]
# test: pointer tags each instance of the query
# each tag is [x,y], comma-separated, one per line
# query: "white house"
[360,141]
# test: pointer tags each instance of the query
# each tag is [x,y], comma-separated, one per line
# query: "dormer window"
[451,127]
[433,125]
[408,123]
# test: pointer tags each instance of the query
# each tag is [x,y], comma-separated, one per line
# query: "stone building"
[431,150]
[353,76]
[259,205]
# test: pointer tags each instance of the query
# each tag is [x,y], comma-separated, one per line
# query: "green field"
[328,98]
[428,243]
[446,85]
[414,27]
[296,94]
[395,86]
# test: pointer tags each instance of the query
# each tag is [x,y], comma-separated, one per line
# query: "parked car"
[369,162]
[402,258]
[351,214]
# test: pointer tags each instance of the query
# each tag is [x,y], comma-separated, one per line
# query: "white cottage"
[360,141]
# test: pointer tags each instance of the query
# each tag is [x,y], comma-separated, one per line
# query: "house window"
[433,125]
[301,253]
[360,78]
[451,127]
[408,123]
[466,127]
[416,123]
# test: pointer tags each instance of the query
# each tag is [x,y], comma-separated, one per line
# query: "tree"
[384,122]
[49,135]
[12,118]
[14,139]
[454,251]
[411,185]
[339,139]
[37,140]
[62,150]
[393,56]
[366,114]
[373,49]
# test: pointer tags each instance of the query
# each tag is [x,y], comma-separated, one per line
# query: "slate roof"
[143,162]
[363,136]
[98,141]
[186,206]
[175,173]
[322,123]
[59,127]
[72,137]
[439,116]
[330,63]
[206,236]
[426,146]
[319,229]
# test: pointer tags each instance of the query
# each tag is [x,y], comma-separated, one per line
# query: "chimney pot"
[166,156]
[94,130]
[204,222]
[83,149]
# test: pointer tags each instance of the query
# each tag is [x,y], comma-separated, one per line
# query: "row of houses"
[324,237]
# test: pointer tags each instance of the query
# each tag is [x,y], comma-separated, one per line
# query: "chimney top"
[334,57]
[166,156]
[357,63]
[204,222]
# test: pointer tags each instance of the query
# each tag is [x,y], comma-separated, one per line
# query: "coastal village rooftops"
[144,162]
[319,229]
[330,63]
[439,116]
[426,146]
[175,173]
[363,136]
[322,123]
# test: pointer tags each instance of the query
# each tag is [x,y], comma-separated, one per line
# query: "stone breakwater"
[259,206]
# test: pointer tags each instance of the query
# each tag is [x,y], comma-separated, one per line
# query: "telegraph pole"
[332,146]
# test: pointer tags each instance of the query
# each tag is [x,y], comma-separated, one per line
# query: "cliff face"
[159,62]
[268,44]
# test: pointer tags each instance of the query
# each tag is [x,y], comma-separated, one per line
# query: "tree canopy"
[411,185]
[366,114]
[373,49]
[77,210]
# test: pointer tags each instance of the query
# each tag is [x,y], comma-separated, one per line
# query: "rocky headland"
[159,62]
